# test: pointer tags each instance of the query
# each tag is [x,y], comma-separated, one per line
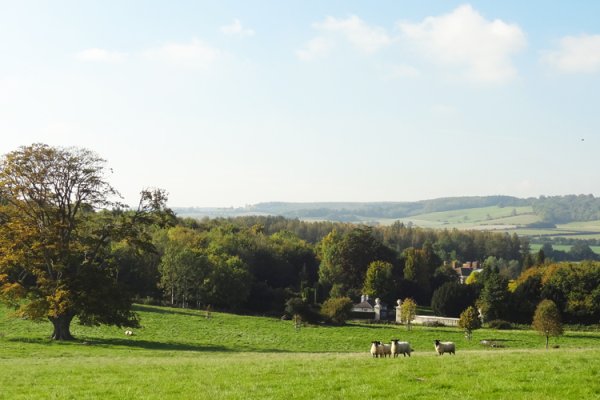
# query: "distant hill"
[349,211]
[572,215]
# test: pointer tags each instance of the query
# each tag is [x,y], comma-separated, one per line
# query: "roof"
[364,304]
[463,271]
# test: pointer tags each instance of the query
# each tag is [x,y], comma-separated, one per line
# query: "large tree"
[493,300]
[345,259]
[379,279]
[58,218]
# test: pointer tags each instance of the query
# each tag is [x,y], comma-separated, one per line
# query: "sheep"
[444,347]
[128,333]
[380,350]
[400,348]
[376,350]
[386,350]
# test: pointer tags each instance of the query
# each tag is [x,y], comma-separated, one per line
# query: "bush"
[337,309]
[499,324]
[434,324]
[307,312]
[469,321]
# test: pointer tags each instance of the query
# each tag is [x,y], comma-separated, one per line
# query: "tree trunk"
[546,342]
[62,327]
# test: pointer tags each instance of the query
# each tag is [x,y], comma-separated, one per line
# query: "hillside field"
[180,354]
[510,219]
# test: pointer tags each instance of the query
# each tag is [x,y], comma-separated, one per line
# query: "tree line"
[552,210]
[69,250]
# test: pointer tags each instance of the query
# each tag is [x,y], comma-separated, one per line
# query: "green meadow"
[535,247]
[493,218]
[180,354]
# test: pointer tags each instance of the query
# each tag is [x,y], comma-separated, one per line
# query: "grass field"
[179,354]
[499,219]
[535,247]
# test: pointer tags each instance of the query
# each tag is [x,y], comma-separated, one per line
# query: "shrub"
[500,324]
[337,309]
[469,321]
[433,324]
[408,311]
[303,309]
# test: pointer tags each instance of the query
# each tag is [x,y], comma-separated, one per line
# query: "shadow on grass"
[153,345]
[164,310]
[144,344]
[590,335]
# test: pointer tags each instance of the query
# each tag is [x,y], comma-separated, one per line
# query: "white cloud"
[575,54]
[100,55]
[352,29]
[367,38]
[236,28]
[465,39]
[195,54]
[403,71]
[314,48]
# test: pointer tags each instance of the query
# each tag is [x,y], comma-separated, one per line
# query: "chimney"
[362,298]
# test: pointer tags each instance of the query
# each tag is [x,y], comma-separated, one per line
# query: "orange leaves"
[12,293]
[59,302]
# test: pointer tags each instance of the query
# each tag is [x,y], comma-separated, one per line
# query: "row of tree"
[573,287]
[69,249]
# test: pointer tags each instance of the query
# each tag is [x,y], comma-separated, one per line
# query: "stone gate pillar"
[377,309]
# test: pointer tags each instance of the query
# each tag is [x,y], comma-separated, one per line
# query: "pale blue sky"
[226,103]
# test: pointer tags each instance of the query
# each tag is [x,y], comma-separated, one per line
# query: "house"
[369,309]
[466,269]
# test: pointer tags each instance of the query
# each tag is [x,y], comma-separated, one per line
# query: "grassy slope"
[535,247]
[498,219]
[181,354]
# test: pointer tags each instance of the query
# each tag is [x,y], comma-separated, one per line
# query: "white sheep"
[400,348]
[386,350]
[128,333]
[444,347]
[376,350]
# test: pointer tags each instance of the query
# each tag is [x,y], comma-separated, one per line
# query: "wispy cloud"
[315,48]
[366,38]
[195,54]
[402,71]
[236,29]
[100,55]
[464,39]
[576,54]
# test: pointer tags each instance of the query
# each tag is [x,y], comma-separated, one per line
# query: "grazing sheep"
[128,333]
[376,350]
[386,350]
[400,348]
[444,347]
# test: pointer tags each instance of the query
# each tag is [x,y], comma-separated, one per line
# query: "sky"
[230,103]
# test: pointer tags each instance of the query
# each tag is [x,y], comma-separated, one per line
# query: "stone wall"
[421,319]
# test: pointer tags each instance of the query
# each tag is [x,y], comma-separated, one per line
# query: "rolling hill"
[575,216]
